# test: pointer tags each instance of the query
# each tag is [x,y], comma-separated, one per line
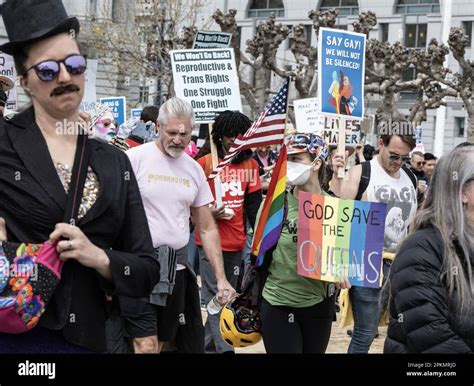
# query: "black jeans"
[297,330]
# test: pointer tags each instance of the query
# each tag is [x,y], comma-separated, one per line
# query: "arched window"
[418,6]
[264,8]
[344,7]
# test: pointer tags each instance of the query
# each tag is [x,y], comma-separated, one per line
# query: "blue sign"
[341,72]
[418,135]
[136,113]
[118,106]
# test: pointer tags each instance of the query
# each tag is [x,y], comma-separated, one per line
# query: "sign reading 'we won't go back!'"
[208,80]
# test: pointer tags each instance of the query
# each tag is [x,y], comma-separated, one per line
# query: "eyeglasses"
[421,163]
[396,157]
[49,69]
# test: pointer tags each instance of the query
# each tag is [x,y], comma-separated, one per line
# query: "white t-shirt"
[169,188]
[400,196]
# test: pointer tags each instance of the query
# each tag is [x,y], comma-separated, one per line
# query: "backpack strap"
[410,174]
[364,179]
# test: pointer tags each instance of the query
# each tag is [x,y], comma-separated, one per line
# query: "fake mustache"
[62,89]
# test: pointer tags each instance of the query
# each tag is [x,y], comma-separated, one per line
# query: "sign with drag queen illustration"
[341,72]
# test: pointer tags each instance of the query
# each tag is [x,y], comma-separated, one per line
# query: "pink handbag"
[30,273]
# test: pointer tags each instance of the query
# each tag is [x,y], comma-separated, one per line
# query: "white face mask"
[297,174]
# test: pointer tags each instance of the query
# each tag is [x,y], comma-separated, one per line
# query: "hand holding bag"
[30,273]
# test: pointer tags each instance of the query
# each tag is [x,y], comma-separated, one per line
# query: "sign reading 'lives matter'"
[208,80]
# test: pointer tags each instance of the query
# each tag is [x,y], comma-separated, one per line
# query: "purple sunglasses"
[49,69]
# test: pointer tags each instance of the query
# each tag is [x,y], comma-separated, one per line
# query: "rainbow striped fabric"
[268,229]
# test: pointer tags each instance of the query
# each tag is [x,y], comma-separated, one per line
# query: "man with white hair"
[173,186]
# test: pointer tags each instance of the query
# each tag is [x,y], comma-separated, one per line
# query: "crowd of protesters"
[132,254]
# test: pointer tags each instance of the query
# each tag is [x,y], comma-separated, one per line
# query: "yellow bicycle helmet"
[240,323]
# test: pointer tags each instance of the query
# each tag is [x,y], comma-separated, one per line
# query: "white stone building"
[413,22]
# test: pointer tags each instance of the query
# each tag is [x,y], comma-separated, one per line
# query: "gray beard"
[174,153]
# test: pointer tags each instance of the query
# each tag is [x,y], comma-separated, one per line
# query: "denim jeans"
[367,306]
[232,262]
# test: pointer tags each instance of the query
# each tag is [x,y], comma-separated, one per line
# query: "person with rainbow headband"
[297,312]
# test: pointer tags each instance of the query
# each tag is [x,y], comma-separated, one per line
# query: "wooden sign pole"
[341,146]
[215,162]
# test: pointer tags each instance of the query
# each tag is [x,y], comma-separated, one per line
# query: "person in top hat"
[109,250]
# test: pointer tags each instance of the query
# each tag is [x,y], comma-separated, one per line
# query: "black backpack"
[365,178]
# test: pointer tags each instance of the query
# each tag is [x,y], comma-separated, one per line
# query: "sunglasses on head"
[312,143]
[49,69]
[396,157]
[300,141]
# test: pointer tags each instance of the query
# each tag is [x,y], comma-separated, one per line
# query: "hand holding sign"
[343,284]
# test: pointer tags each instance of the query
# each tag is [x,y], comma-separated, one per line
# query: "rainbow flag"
[268,229]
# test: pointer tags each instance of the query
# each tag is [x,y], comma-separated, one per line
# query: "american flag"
[268,129]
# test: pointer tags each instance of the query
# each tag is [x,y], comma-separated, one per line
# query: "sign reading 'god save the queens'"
[340,238]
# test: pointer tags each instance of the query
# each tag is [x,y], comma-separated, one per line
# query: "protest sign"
[333,126]
[208,80]
[212,39]
[340,238]
[136,113]
[8,70]
[341,72]
[419,142]
[308,116]
[88,103]
[118,107]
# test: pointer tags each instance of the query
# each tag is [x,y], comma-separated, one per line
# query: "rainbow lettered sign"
[340,238]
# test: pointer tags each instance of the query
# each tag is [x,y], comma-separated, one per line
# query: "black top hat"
[27,21]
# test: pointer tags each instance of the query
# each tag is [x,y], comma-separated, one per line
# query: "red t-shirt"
[236,181]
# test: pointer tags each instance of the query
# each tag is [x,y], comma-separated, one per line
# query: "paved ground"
[338,343]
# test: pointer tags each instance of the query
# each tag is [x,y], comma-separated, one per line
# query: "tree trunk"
[262,85]
[470,124]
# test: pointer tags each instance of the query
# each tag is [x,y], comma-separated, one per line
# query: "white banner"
[7,69]
[307,115]
[208,80]
[351,128]
[90,95]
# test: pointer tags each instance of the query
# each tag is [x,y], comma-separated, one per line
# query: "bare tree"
[136,44]
[143,49]
[262,49]
[463,82]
